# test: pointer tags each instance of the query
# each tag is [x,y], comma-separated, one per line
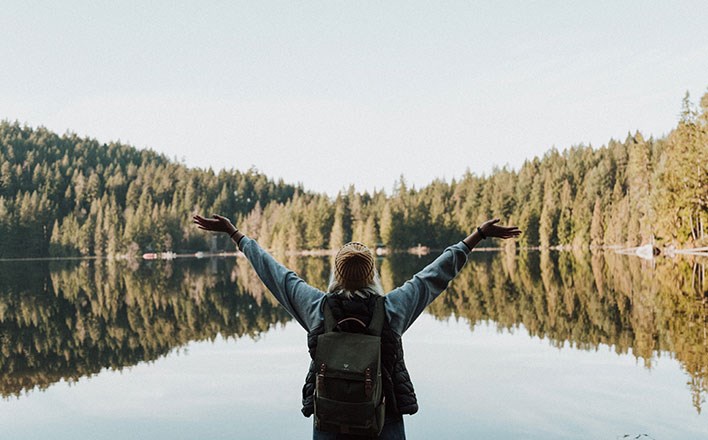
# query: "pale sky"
[333,93]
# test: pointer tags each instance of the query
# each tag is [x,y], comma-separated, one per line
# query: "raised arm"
[406,303]
[300,299]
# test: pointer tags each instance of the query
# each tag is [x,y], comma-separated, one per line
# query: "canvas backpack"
[349,390]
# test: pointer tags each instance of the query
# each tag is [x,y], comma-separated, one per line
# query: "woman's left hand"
[216,223]
[491,229]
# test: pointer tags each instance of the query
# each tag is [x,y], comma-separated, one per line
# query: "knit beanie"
[354,266]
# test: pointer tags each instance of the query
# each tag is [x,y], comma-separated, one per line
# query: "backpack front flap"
[348,390]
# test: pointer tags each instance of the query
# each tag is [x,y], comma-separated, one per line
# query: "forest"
[72,196]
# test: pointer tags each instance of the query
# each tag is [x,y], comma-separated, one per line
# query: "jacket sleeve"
[300,299]
[406,303]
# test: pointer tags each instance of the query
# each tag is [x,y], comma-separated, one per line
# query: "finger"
[511,233]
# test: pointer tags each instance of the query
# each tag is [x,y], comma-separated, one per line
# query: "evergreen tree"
[597,227]
[337,236]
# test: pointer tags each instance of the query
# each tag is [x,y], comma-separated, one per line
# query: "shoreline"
[380,252]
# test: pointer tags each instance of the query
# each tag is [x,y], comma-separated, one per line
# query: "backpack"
[348,389]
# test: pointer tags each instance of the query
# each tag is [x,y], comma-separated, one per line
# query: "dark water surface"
[535,345]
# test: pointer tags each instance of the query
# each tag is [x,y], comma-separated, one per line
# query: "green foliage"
[70,196]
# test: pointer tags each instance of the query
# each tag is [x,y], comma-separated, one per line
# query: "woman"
[353,292]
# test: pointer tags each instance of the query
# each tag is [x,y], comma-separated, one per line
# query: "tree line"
[68,196]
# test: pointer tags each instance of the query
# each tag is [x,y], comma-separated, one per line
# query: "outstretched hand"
[491,229]
[216,223]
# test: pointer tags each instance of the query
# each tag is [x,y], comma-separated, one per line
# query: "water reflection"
[65,321]
[69,320]
[587,300]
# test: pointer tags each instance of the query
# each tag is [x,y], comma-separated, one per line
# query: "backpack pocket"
[364,418]
[345,387]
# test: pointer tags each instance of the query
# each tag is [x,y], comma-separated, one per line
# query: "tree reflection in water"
[587,300]
[66,320]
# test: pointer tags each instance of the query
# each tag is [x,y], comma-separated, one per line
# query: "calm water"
[536,346]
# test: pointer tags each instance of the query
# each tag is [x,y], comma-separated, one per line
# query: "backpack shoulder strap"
[375,326]
[377,319]
[329,322]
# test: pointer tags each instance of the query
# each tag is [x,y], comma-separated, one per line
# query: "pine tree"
[386,226]
[337,236]
[596,226]
[370,236]
[549,215]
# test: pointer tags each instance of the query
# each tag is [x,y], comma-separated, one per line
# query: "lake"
[534,345]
